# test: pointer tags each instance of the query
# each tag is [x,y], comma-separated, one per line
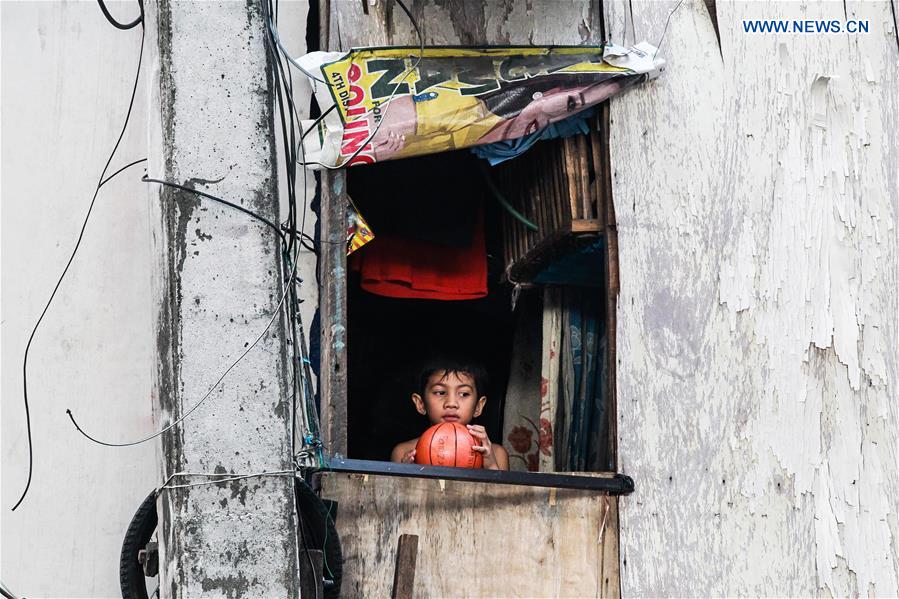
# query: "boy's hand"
[409,457]
[485,448]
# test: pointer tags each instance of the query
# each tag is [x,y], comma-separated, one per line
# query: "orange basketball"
[448,444]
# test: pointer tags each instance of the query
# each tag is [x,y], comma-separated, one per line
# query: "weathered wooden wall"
[756,194]
[475,539]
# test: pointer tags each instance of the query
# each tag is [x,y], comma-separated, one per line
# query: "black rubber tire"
[139,533]
[318,531]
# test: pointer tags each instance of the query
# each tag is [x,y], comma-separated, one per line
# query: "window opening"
[430,204]
[556,273]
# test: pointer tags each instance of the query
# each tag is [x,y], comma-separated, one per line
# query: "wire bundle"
[291,236]
[295,237]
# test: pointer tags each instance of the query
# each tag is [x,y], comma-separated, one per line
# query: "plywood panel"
[475,539]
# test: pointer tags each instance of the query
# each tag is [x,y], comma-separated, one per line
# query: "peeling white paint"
[765,384]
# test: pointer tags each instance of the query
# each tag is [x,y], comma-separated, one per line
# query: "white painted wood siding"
[757,321]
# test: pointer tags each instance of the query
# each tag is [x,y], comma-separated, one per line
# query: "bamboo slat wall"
[558,186]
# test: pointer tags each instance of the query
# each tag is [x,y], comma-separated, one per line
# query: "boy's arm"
[495,457]
[502,457]
[404,453]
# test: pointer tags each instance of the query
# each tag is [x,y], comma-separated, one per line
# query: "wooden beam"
[404,573]
[586,225]
[332,270]
[333,315]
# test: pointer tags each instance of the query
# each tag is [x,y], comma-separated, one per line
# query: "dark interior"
[437,199]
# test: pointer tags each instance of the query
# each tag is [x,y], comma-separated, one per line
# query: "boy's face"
[449,397]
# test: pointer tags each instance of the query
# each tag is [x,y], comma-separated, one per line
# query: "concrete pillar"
[219,284]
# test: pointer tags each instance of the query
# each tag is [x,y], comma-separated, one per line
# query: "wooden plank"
[542,212]
[332,274]
[552,177]
[586,225]
[583,176]
[404,573]
[552,247]
[611,586]
[332,295]
[531,202]
[563,207]
[523,201]
[550,216]
[488,22]
[518,232]
[612,282]
[604,124]
[476,540]
[600,173]
[572,191]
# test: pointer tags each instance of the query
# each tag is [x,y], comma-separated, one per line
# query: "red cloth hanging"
[409,268]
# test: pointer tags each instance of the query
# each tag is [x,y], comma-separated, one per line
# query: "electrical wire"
[274,32]
[209,196]
[385,105]
[275,314]
[301,149]
[283,77]
[498,195]
[227,478]
[665,30]
[65,270]
[5,592]
[123,26]
[301,376]
[127,166]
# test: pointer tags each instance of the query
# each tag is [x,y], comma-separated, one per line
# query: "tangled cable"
[102,181]
[292,237]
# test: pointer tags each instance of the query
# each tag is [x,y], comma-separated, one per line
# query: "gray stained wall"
[66,79]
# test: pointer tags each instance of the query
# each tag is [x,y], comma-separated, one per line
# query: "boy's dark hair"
[449,365]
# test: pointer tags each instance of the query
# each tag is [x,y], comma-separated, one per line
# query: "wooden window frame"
[332,267]
[333,372]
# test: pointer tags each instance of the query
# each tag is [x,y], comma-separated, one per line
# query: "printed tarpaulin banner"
[388,103]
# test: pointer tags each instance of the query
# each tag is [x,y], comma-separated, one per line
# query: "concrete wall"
[66,79]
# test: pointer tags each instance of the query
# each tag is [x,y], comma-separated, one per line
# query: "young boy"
[449,393]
